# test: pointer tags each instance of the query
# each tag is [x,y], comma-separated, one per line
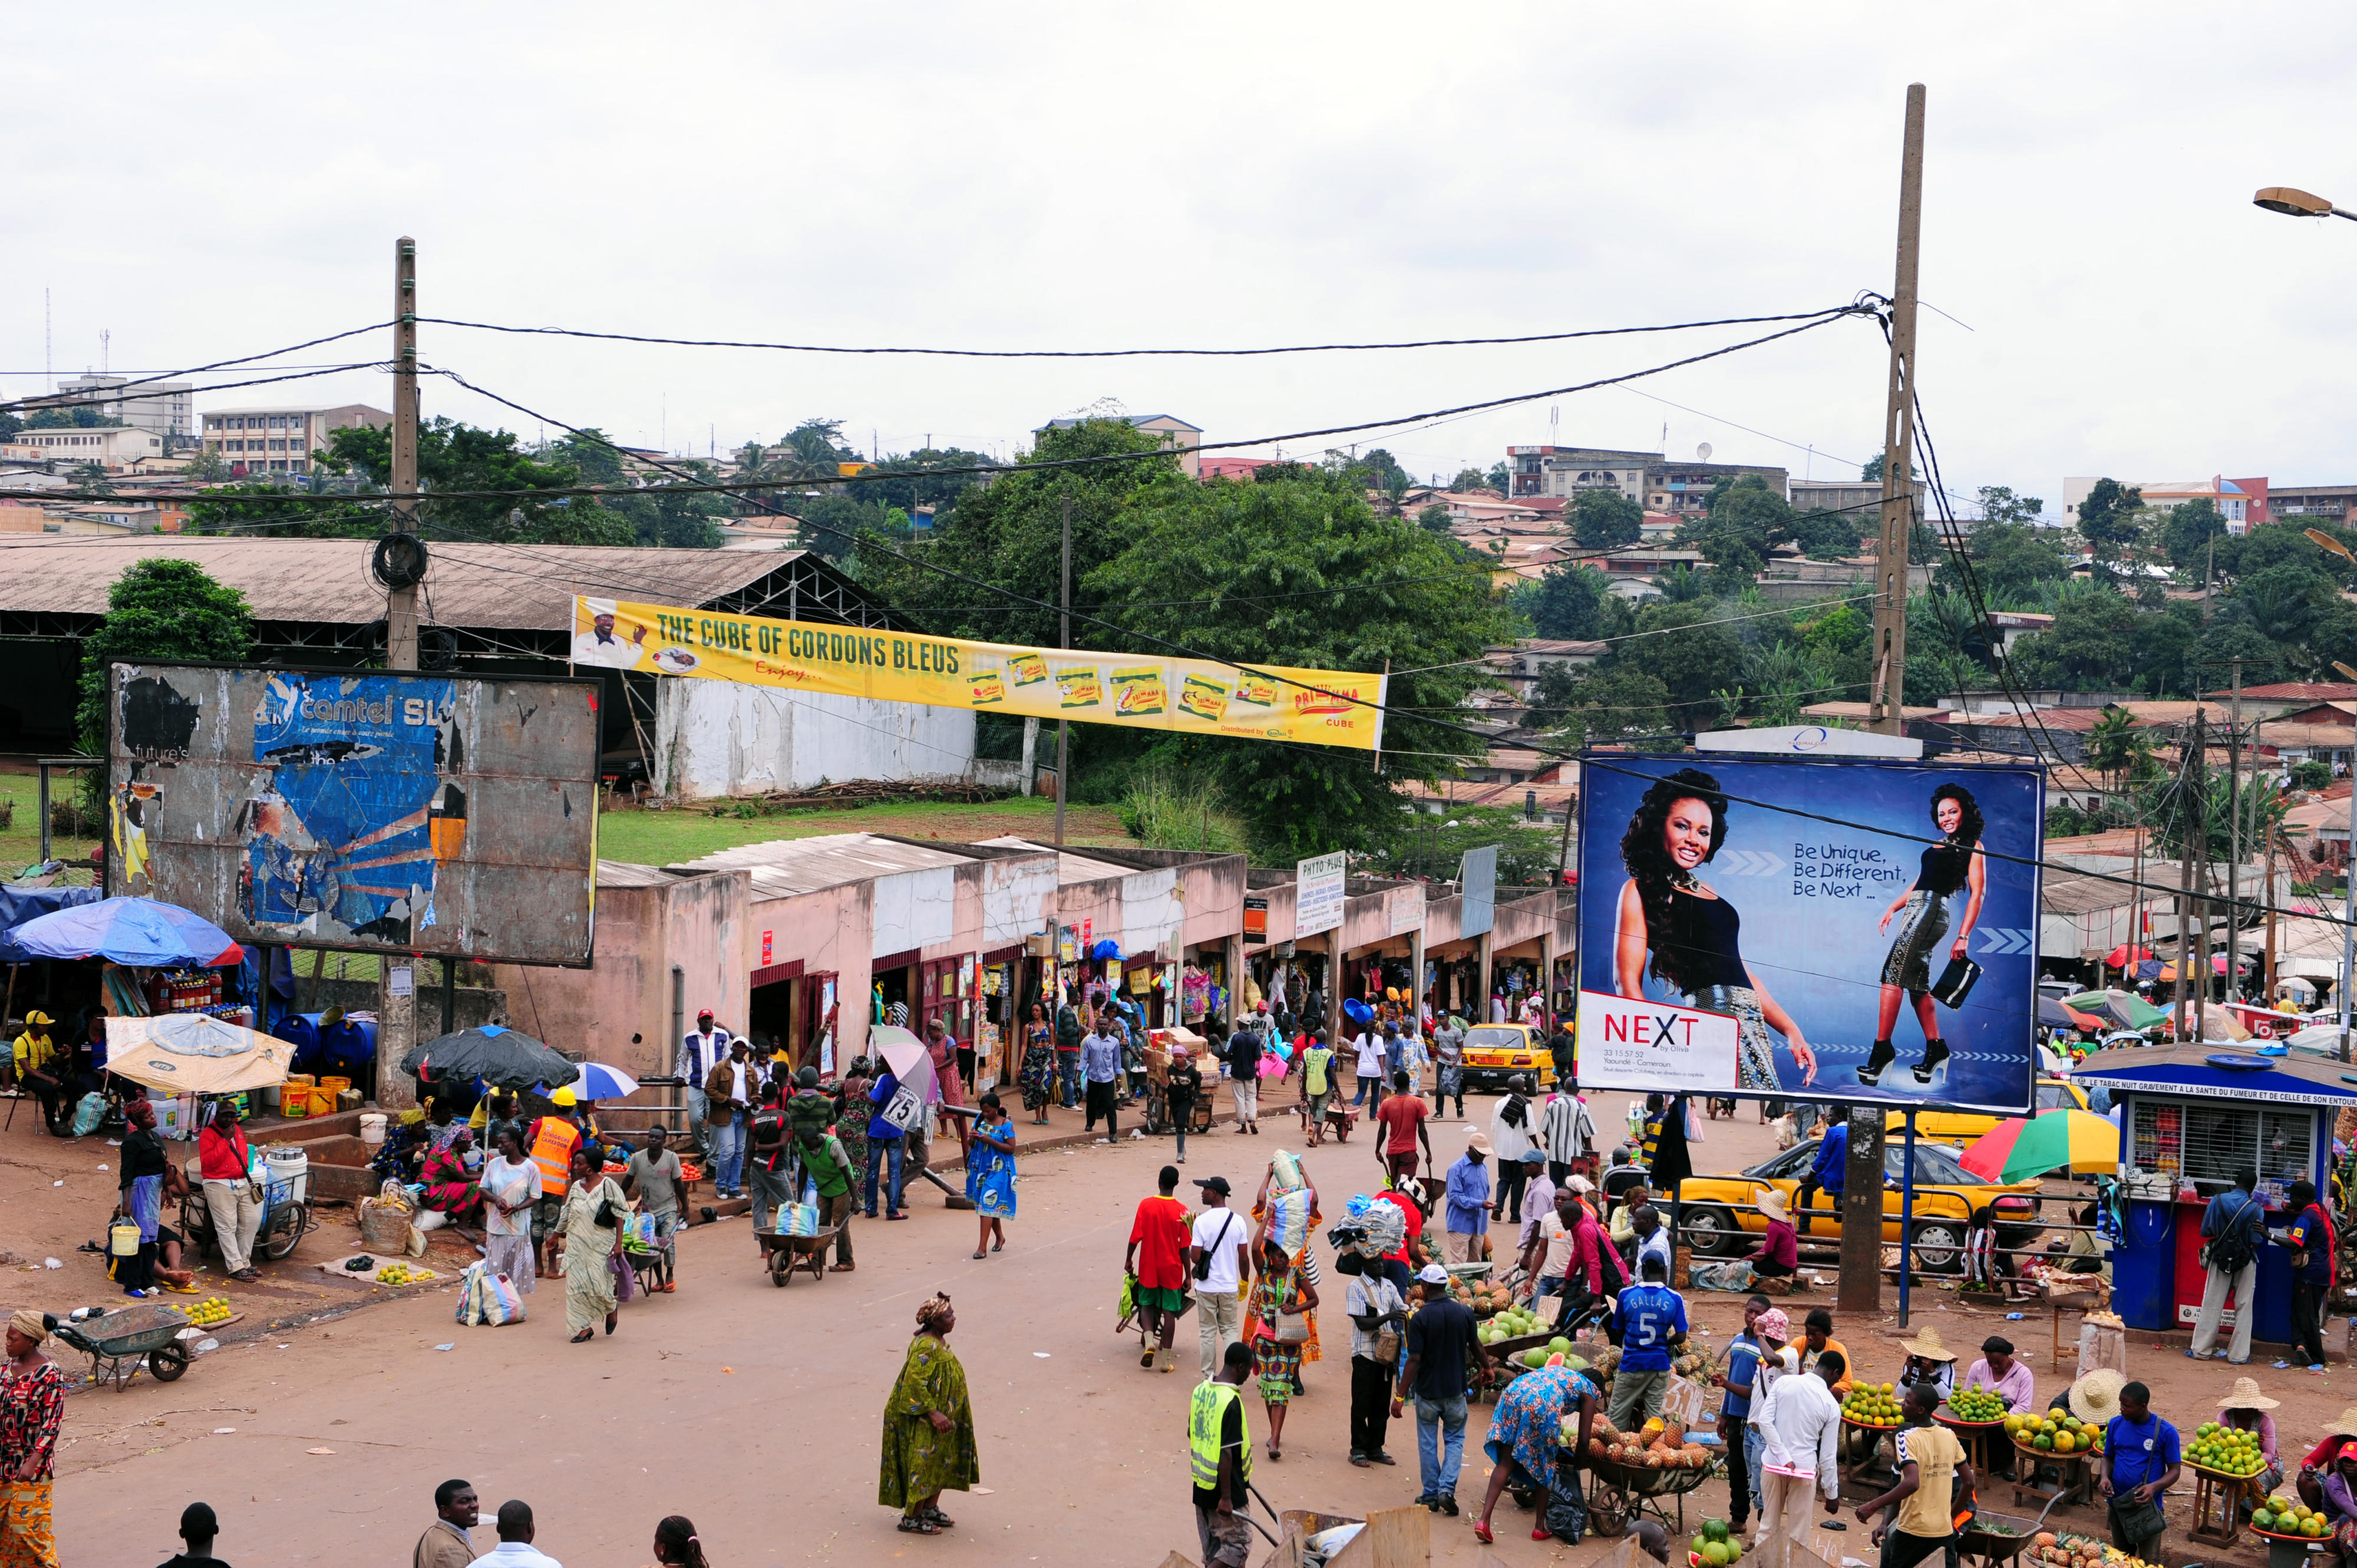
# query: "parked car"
[1496,1052]
[1961,1127]
[1945,1197]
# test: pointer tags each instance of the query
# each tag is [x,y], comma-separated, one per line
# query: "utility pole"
[2235,842]
[2188,778]
[1064,639]
[1889,699]
[2201,847]
[401,614]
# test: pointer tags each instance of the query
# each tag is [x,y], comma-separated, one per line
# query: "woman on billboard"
[1691,931]
[1950,866]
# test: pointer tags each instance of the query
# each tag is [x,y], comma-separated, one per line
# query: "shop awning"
[2207,1071]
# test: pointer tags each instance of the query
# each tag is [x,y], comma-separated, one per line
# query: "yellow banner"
[1322,707]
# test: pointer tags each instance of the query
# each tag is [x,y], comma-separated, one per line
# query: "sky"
[202,185]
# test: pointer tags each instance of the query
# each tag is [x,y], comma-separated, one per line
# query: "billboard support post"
[1906,1218]
[1888,713]
[396,1016]
[1861,1210]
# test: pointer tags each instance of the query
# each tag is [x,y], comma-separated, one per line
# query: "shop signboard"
[1478,878]
[1318,893]
[1255,920]
[371,810]
[1747,926]
[1405,908]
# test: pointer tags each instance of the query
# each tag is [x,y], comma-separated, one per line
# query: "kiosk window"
[2220,1139]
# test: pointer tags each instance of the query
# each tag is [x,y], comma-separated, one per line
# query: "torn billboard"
[365,810]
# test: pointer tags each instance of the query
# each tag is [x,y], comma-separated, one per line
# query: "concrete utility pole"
[1861,1207]
[2235,843]
[397,1005]
[1889,695]
[1064,639]
[2185,853]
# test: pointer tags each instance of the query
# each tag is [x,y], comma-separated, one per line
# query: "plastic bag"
[430,1220]
[798,1219]
[88,1114]
[1728,1276]
[1127,1307]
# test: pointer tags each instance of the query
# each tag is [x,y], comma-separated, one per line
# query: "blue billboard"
[1849,930]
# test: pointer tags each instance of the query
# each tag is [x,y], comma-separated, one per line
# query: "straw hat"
[2342,1425]
[1929,1345]
[2096,1396]
[1771,1203]
[2246,1395]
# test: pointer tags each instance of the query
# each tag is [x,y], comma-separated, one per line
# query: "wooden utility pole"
[1888,697]
[2201,848]
[401,615]
[1064,639]
[2192,770]
[2235,842]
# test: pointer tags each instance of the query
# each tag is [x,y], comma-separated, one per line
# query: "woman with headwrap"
[1950,866]
[32,1407]
[148,1178]
[1692,932]
[927,1427]
[451,1189]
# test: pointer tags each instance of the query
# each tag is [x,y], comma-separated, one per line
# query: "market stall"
[2192,1117]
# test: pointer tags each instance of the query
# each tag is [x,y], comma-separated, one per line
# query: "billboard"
[1192,696]
[362,810]
[1735,941]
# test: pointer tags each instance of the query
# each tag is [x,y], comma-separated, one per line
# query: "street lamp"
[2293,203]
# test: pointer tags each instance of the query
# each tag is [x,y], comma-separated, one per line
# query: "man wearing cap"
[198,1529]
[1217,1250]
[698,1054]
[32,1056]
[1537,1192]
[1467,1189]
[600,646]
[32,1407]
[1443,1343]
[2139,1461]
[1509,1135]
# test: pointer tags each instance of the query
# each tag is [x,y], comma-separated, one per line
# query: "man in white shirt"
[699,1053]
[601,647]
[1801,1426]
[1369,1046]
[515,1549]
[1560,1130]
[1653,1239]
[1216,1252]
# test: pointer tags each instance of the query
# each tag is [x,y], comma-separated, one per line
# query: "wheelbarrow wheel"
[1608,1512]
[782,1268]
[167,1362]
[286,1234]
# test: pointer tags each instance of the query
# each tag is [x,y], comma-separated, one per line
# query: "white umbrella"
[189,1053]
[905,1055]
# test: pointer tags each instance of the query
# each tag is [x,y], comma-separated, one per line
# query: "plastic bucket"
[295,1101]
[335,1086]
[372,1127]
[292,1166]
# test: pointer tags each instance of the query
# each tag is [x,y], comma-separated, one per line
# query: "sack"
[88,1111]
[1203,1263]
[1566,1512]
[904,1110]
[1289,1220]
[1956,983]
[485,1298]
[510,1299]
[385,1226]
[1728,1276]
[430,1220]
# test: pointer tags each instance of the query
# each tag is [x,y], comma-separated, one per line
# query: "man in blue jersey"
[1831,1169]
[1652,1318]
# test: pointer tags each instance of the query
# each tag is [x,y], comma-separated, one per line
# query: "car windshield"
[1793,1162]
[1497,1037]
[1934,1166]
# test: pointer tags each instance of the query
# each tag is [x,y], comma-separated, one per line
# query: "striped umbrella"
[2023,1147]
[598,1082]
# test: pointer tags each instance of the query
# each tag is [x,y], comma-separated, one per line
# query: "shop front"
[2193,1118]
[1535,929]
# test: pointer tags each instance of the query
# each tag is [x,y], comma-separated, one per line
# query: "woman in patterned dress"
[32,1407]
[990,1175]
[927,1427]
[1280,1292]
[851,1122]
[1038,1075]
[1525,1432]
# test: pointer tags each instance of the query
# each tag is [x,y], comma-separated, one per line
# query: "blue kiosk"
[2192,1116]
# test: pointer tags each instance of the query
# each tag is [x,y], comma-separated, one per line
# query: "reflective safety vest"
[552,1150]
[1313,1068]
[1206,1412]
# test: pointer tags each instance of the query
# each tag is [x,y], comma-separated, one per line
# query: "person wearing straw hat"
[1929,1360]
[2245,1409]
[2140,1460]
[1778,1256]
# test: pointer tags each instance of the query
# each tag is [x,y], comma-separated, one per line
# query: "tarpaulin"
[18,905]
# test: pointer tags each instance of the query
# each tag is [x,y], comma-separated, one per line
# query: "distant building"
[113,448]
[1568,470]
[281,440]
[1176,435]
[164,408]
[2293,502]
[1859,499]
[2241,502]
[1682,489]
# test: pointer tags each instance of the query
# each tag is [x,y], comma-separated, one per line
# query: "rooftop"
[784,867]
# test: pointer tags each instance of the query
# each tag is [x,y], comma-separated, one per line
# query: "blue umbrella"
[129,930]
[598,1082]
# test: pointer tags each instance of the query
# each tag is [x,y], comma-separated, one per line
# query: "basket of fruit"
[403,1274]
[2066,1438]
[2225,1452]
[1872,1405]
[2051,1551]
[1973,1407]
[2289,1519]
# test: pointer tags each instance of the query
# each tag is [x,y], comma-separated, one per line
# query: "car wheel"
[1939,1248]
[1711,1233]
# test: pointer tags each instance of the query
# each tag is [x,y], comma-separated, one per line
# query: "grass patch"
[666,838]
[20,840]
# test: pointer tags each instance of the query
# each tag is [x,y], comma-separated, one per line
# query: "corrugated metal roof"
[1071,868]
[784,867]
[623,874]
[507,586]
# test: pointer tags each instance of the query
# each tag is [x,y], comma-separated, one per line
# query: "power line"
[118,395]
[1132,353]
[217,365]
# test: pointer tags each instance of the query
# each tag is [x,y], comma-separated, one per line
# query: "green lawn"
[20,840]
[666,838]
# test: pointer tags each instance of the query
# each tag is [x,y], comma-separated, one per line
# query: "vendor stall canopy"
[139,931]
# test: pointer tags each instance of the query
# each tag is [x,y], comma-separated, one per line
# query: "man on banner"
[602,646]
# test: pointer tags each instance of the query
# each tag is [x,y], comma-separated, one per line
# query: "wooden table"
[2217,1508]
[2072,1483]
[1976,1435]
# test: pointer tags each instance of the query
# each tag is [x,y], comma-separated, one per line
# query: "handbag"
[608,1216]
[1956,983]
[1203,1263]
[1292,1328]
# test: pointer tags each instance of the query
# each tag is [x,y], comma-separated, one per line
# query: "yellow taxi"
[1496,1052]
[1963,1126]
[1945,1197]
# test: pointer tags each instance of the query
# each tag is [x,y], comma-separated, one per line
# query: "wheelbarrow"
[783,1255]
[117,1342]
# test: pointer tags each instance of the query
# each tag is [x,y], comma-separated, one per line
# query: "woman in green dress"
[927,1427]
[583,1247]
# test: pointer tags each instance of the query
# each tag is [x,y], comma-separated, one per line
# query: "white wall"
[721,738]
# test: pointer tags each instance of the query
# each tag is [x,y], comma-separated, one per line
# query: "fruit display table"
[1869,1412]
[2290,1527]
[1980,1438]
[2051,1476]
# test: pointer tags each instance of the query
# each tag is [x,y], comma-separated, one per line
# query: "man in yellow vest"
[1220,1449]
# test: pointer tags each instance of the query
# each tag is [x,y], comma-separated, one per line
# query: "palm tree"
[2116,745]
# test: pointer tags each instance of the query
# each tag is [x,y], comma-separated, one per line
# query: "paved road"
[753,1411]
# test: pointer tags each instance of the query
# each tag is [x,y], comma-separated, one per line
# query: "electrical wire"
[1135,353]
[116,392]
[37,403]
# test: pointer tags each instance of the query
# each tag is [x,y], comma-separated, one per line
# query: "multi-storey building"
[281,440]
[165,408]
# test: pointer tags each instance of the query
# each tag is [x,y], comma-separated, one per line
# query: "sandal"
[840,1268]
[913,1524]
[939,1520]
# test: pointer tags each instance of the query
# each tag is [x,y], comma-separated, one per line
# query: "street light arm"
[2294,202]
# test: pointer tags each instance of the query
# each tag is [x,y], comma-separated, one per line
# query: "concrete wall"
[476,1006]
[830,930]
[721,738]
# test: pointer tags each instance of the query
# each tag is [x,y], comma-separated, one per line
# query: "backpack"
[2235,1247]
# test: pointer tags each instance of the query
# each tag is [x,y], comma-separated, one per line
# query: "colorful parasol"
[2022,1148]
[2118,957]
[139,931]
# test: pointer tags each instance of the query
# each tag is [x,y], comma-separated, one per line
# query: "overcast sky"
[203,183]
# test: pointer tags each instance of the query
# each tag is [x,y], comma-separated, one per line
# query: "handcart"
[284,1220]
[1994,1540]
[1158,1109]
[1134,1320]
[117,1342]
[1160,1045]
[785,1256]
[1619,1494]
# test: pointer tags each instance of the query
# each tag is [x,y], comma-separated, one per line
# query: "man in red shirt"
[1402,1117]
[1156,1259]
[1406,1194]
[223,1159]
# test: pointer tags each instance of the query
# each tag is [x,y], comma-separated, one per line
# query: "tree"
[1575,601]
[1746,521]
[1827,535]
[1469,479]
[160,609]
[1606,519]
[455,456]
[2000,505]
[2187,531]
[2110,522]
[1612,703]
[1298,570]
[1433,519]
[91,476]
[1871,470]
[1684,646]
[2116,744]
[9,424]
[2092,646]
[1502,479]
[72,419]
[814,450]
[2012,560]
